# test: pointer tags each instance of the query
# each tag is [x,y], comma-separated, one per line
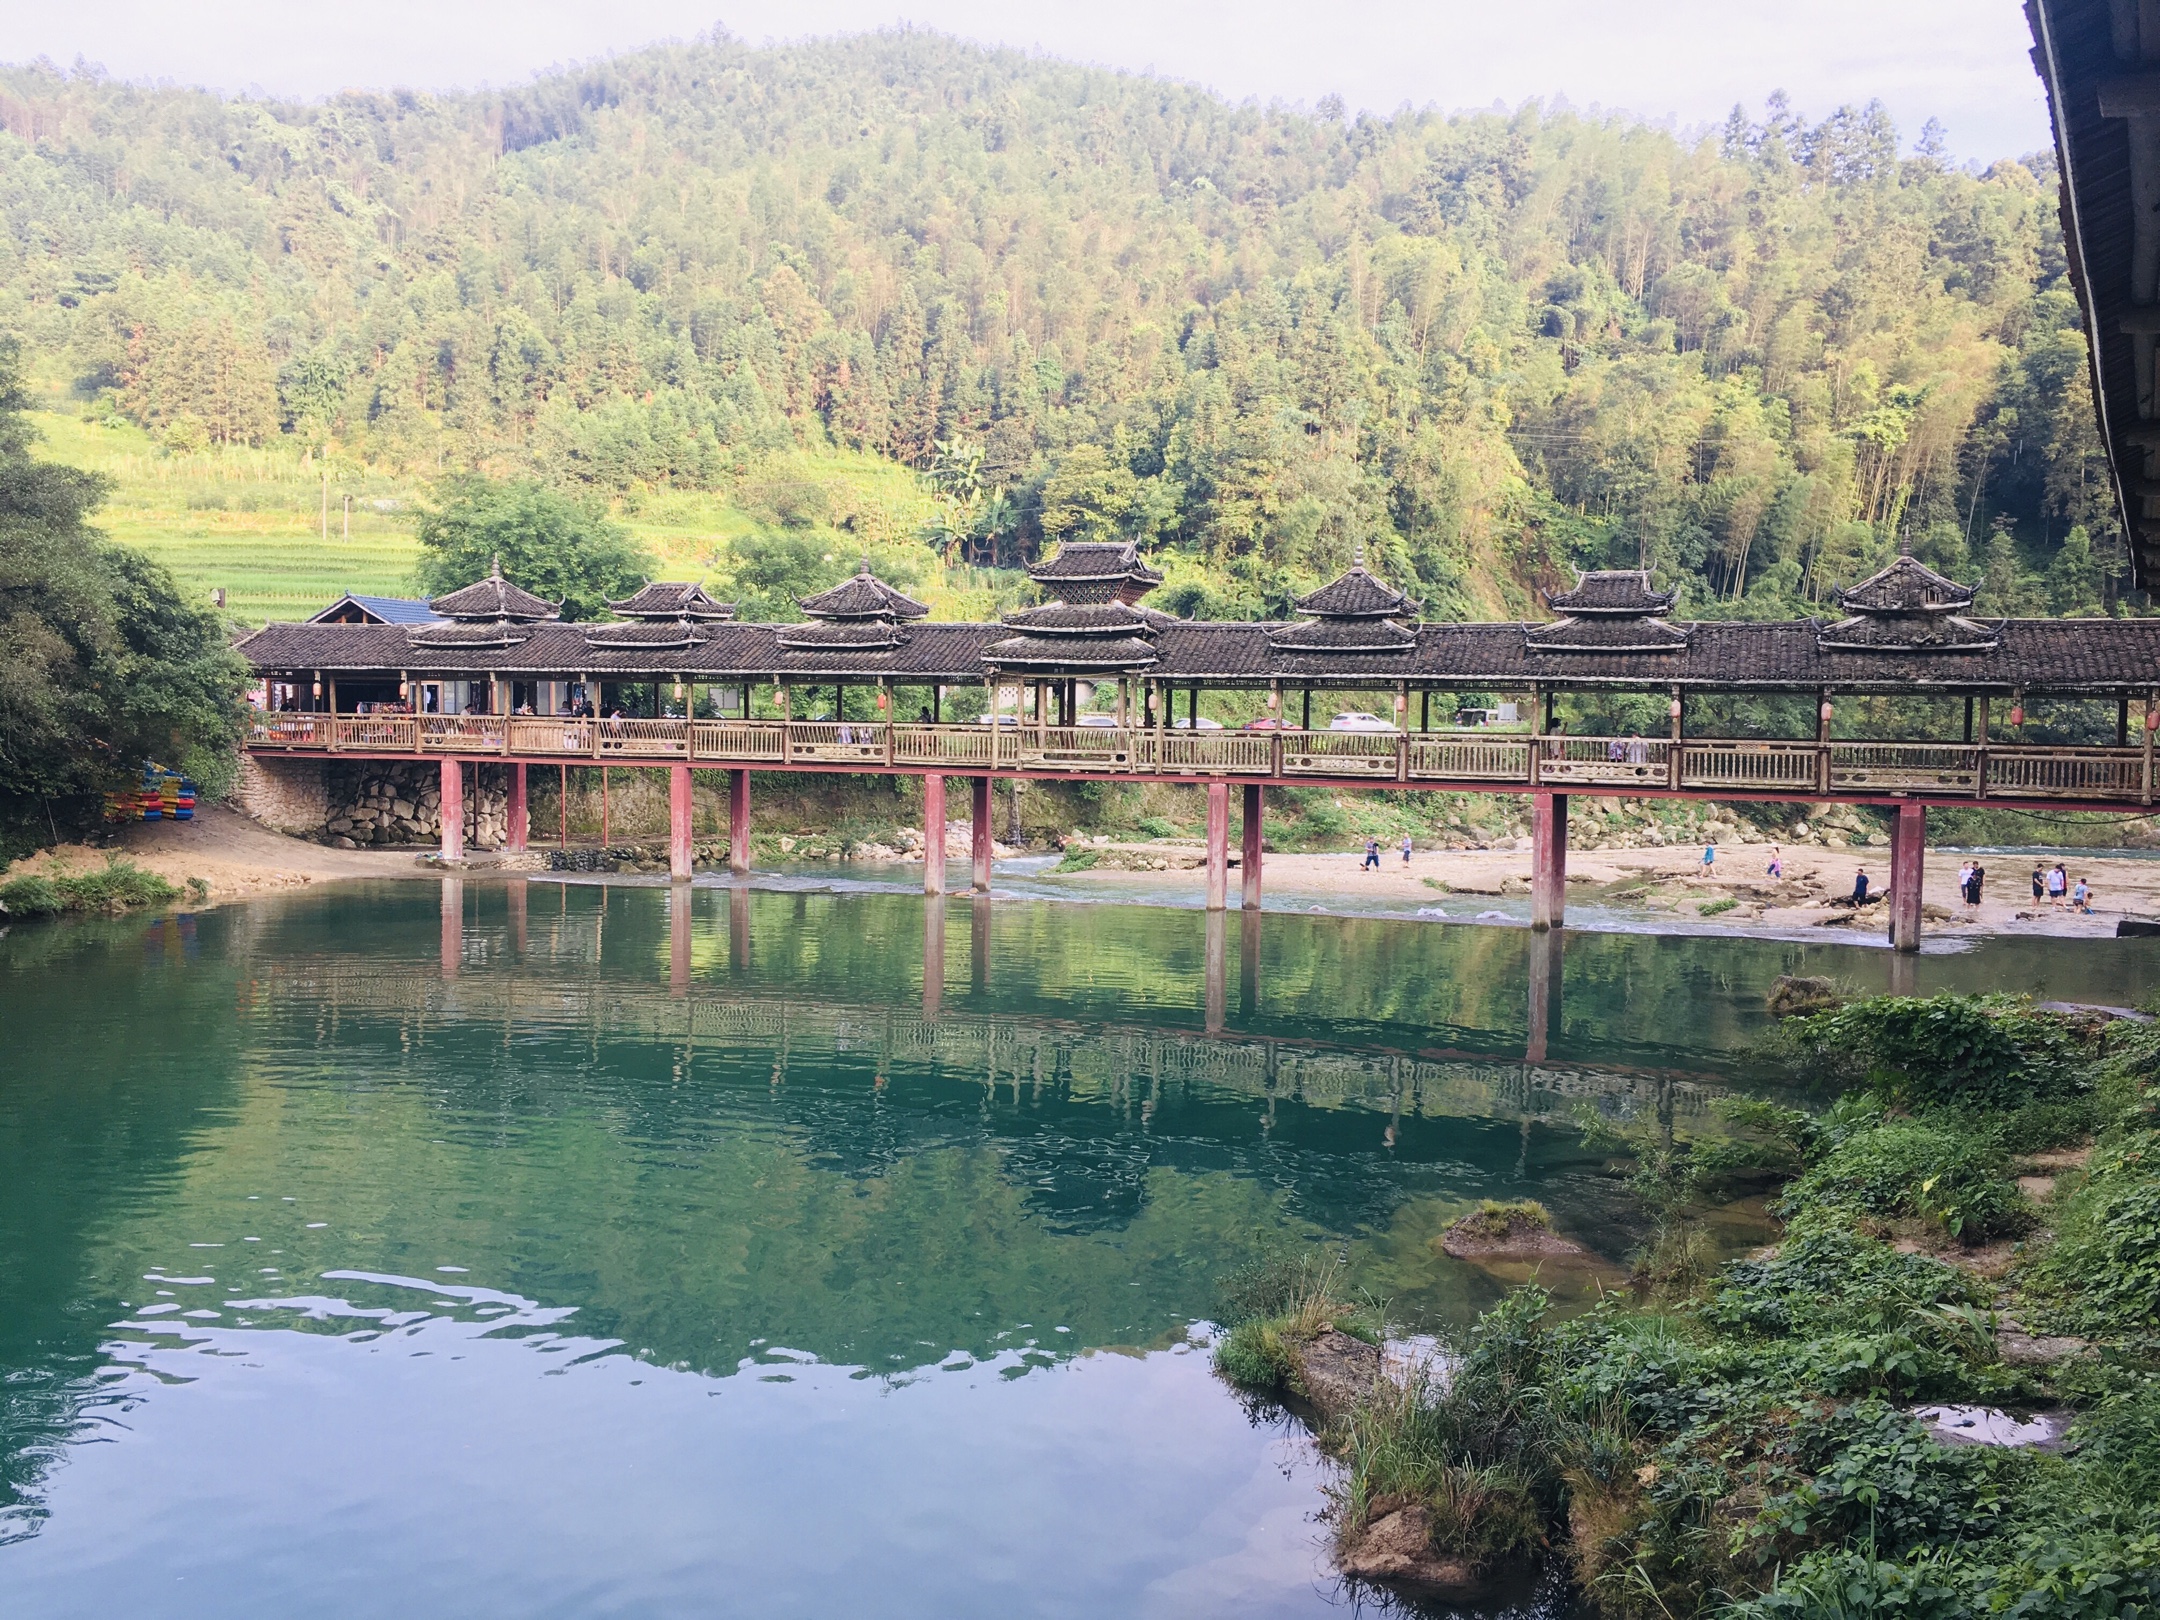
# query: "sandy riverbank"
[236,856]
[1672,882]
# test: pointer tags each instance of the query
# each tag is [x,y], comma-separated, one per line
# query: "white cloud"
[1686,59]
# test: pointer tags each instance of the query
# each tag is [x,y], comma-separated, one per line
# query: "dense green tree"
[1489,346]
[550,543]
[103,662]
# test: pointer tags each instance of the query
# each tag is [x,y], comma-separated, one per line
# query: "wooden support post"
[738,820]
[1675,751]
[933,831]
[678,857]
[1908,856]
[2122,722]
[607,831]
[2152,723]
[984,849]
[519,813]
[1218,845]
[1249,851]
[451,810]
[562,805]
[1969,722]
[1548,860]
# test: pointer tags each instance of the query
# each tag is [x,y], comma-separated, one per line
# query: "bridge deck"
[1462,761]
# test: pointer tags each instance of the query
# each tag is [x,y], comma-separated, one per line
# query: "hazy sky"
[1963,61]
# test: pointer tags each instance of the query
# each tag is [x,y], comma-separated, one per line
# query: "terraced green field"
[251,522]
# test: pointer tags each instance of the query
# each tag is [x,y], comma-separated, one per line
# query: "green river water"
[519,1249]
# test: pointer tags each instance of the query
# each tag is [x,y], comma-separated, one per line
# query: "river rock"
[1473,1238]
[1395,1549]
[1336,1371]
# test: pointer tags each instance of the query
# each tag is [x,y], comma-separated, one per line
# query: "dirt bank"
[1673,882]
[235,856]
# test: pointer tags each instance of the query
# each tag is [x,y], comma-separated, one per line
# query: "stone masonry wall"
[374,802]
[285,795]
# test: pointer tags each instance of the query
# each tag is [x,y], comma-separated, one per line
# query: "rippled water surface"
[542,1249]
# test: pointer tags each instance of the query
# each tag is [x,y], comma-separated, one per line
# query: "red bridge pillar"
[984,847]
[1548,860]
[678,848]
[1218,845]
[520,815]
[1249,855]
[452,810]
[1908,861]
[738,809]
[933,832]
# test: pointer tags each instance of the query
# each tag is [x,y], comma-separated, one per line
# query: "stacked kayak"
[164,795]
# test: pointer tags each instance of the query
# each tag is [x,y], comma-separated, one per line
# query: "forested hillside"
[1080,302]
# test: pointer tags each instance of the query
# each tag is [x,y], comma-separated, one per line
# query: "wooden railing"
[1072,748]
[1210,753]
[1612,763]
[837,742]
[1342,753]
[1598,764]
[959,747]
[738,739]
[2066,773]
[1905,767]
[1781,767]
[1470,759]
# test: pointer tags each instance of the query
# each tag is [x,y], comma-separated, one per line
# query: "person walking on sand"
[1777,863]
[1859,887]
[2039,884]
[1965,882]
[2091,894]
[1709,858]
[2058,885]
[1372,856]
[1406,849]
[2081,897]
[1979,876]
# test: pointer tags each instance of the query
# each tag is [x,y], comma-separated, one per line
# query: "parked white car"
[1107,722]
[1359,720]
[1202,724]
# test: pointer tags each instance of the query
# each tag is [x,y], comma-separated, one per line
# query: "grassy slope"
[250,521]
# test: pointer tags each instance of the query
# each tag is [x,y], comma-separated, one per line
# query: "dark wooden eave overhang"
[2099,657]
[2102,75]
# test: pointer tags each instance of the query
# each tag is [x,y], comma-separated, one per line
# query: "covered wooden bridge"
[1355,692]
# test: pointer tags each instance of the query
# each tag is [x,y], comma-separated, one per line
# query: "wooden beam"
[2132,95]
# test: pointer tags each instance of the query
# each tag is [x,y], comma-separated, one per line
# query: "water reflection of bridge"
[1129,1064]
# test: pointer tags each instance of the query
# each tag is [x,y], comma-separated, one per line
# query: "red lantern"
[1674,711]
[2152,719]
[1826,711]
[2017,714]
